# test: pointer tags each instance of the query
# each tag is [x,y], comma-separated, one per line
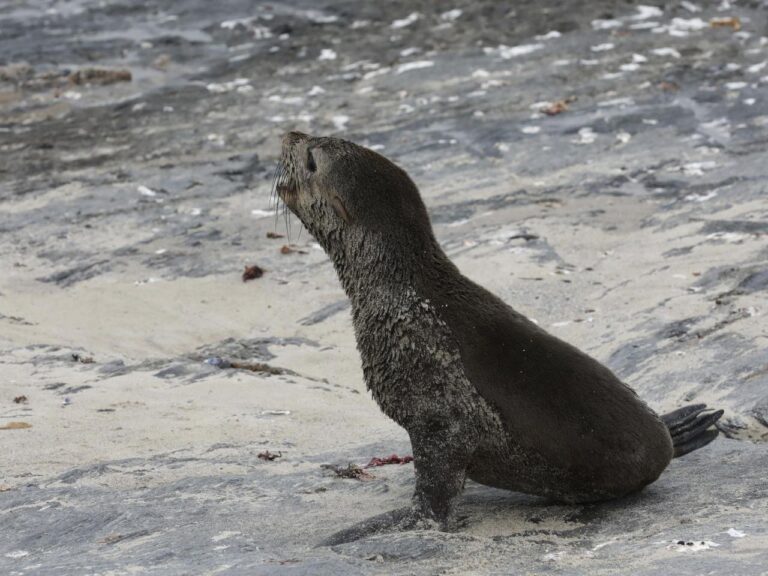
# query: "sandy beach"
[600,167]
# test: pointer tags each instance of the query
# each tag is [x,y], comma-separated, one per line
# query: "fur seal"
[483,392]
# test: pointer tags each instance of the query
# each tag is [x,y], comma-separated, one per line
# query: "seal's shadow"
[501,514]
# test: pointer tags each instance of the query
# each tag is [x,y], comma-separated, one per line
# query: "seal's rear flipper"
[690,427]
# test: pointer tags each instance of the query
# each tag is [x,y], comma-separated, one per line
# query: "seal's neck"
[374,267]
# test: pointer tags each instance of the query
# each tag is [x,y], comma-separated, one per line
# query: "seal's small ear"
[341,211]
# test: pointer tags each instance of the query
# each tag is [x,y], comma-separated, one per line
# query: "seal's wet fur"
[483,392]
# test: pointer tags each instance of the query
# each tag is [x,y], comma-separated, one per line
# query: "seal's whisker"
[288,220]
[274,197]
[284,179]
[277,210]
[273,186]
[275,177]
[279,180]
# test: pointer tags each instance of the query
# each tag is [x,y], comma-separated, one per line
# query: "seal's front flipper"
[690,427]
[395,520]
[441,454]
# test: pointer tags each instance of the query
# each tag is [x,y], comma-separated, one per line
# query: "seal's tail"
[691,427]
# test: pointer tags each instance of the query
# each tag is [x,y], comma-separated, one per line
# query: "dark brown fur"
[483,392]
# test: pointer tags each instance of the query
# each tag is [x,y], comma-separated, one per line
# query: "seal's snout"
[286,184]
[292,138]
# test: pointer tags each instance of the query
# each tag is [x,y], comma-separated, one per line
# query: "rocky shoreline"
[599,165]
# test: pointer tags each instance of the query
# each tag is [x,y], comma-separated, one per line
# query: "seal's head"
[350,198]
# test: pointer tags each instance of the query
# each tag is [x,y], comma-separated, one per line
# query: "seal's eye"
[311,166]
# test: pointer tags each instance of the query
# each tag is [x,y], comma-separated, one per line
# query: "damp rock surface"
[599,165]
